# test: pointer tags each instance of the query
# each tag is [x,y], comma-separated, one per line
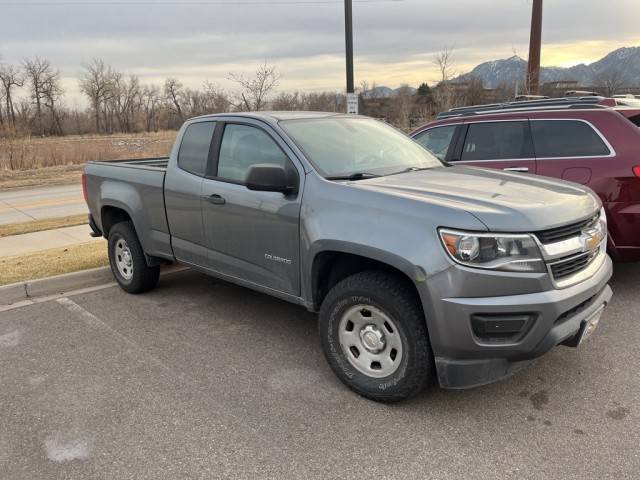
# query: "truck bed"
[156,163]
[135,186]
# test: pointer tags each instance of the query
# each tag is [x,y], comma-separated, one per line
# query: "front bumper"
[464,359]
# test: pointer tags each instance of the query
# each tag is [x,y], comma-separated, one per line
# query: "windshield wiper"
[354,176]
[410,169]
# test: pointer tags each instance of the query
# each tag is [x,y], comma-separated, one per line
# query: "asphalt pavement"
[203,379]
[26,204]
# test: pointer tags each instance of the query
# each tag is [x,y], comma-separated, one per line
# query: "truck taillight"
[84,188]
[636,171]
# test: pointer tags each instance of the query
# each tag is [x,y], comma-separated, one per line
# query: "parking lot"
[203,379]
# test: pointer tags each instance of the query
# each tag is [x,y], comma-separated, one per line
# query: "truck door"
[183,193]
[500,144]
[253,236]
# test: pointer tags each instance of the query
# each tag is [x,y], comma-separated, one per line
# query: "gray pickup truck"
[420,271]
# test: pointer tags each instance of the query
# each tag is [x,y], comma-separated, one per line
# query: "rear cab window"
[194,149]
[567,139]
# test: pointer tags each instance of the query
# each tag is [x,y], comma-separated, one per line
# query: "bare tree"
[126,100]
[11,77]
[475,94]
[52,93]
[444,94]
[255,90]
[401,107]
[610,81]
[44,87]
[151,99]
[97,84]
[444,61]
[288,101]
[173,93]
[216,99]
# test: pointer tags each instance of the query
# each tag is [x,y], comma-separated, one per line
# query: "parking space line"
[35,300]
[94,321]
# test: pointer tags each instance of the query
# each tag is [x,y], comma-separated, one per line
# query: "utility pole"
[535,44]
[352,98]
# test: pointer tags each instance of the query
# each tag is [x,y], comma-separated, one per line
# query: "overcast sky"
[395,40]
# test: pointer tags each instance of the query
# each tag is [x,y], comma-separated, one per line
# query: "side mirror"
[268,177]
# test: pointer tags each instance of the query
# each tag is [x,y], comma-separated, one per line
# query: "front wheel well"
[331,267]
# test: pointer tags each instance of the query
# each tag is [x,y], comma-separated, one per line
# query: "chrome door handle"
[216,199]
[516,169]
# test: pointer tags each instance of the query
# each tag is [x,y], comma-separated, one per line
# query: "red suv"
[588,141]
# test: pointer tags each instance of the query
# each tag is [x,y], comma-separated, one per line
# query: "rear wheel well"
[331,267]
[110,216]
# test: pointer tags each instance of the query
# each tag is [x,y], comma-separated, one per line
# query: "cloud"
[394,40]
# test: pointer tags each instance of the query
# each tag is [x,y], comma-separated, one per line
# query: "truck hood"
[508,202]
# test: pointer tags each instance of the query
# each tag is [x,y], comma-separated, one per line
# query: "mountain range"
[624,62]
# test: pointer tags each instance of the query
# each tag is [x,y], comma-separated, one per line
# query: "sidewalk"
[38,241]
[37,203]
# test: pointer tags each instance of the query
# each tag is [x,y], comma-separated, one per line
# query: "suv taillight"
[636,171]
[84,188]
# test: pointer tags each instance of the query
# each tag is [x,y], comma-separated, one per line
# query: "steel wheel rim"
[123,259]
[370,340]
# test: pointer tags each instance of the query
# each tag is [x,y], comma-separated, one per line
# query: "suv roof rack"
[542,104]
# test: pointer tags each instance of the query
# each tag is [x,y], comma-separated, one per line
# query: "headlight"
[504,252]
[604,227]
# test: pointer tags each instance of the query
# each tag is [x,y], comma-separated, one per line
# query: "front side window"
[244,146]
[497,141]
[566,138]
[437,140]
[340,146]
[194,149]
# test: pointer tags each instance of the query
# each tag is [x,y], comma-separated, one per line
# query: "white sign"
[352,103]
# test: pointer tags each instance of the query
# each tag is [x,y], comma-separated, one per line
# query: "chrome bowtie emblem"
[590,238]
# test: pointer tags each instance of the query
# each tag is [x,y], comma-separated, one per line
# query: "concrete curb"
[61,284]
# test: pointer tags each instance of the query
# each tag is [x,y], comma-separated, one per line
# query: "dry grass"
[32,152]
[53,262]
[64,175]
[40,225]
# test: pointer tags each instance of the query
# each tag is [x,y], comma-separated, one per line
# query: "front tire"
[128,262]
[374,336]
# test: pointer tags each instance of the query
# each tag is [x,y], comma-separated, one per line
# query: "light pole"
[352,98]
[535,44]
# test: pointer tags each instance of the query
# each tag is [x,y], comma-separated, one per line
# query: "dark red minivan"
[588,143]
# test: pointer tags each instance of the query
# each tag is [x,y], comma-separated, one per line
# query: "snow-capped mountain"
[625,60]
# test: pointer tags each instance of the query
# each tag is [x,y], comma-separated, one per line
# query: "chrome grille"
[573,264]
[567,231]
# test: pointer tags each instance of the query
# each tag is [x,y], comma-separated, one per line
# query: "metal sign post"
[352,98]
[352,103]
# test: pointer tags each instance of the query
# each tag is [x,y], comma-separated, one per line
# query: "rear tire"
[374,336]
[128,262]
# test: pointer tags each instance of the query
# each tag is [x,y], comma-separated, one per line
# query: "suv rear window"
[497,141]
[194,149]
[635,120]
[566,138]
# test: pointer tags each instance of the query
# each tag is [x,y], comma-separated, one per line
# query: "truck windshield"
[357,148]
